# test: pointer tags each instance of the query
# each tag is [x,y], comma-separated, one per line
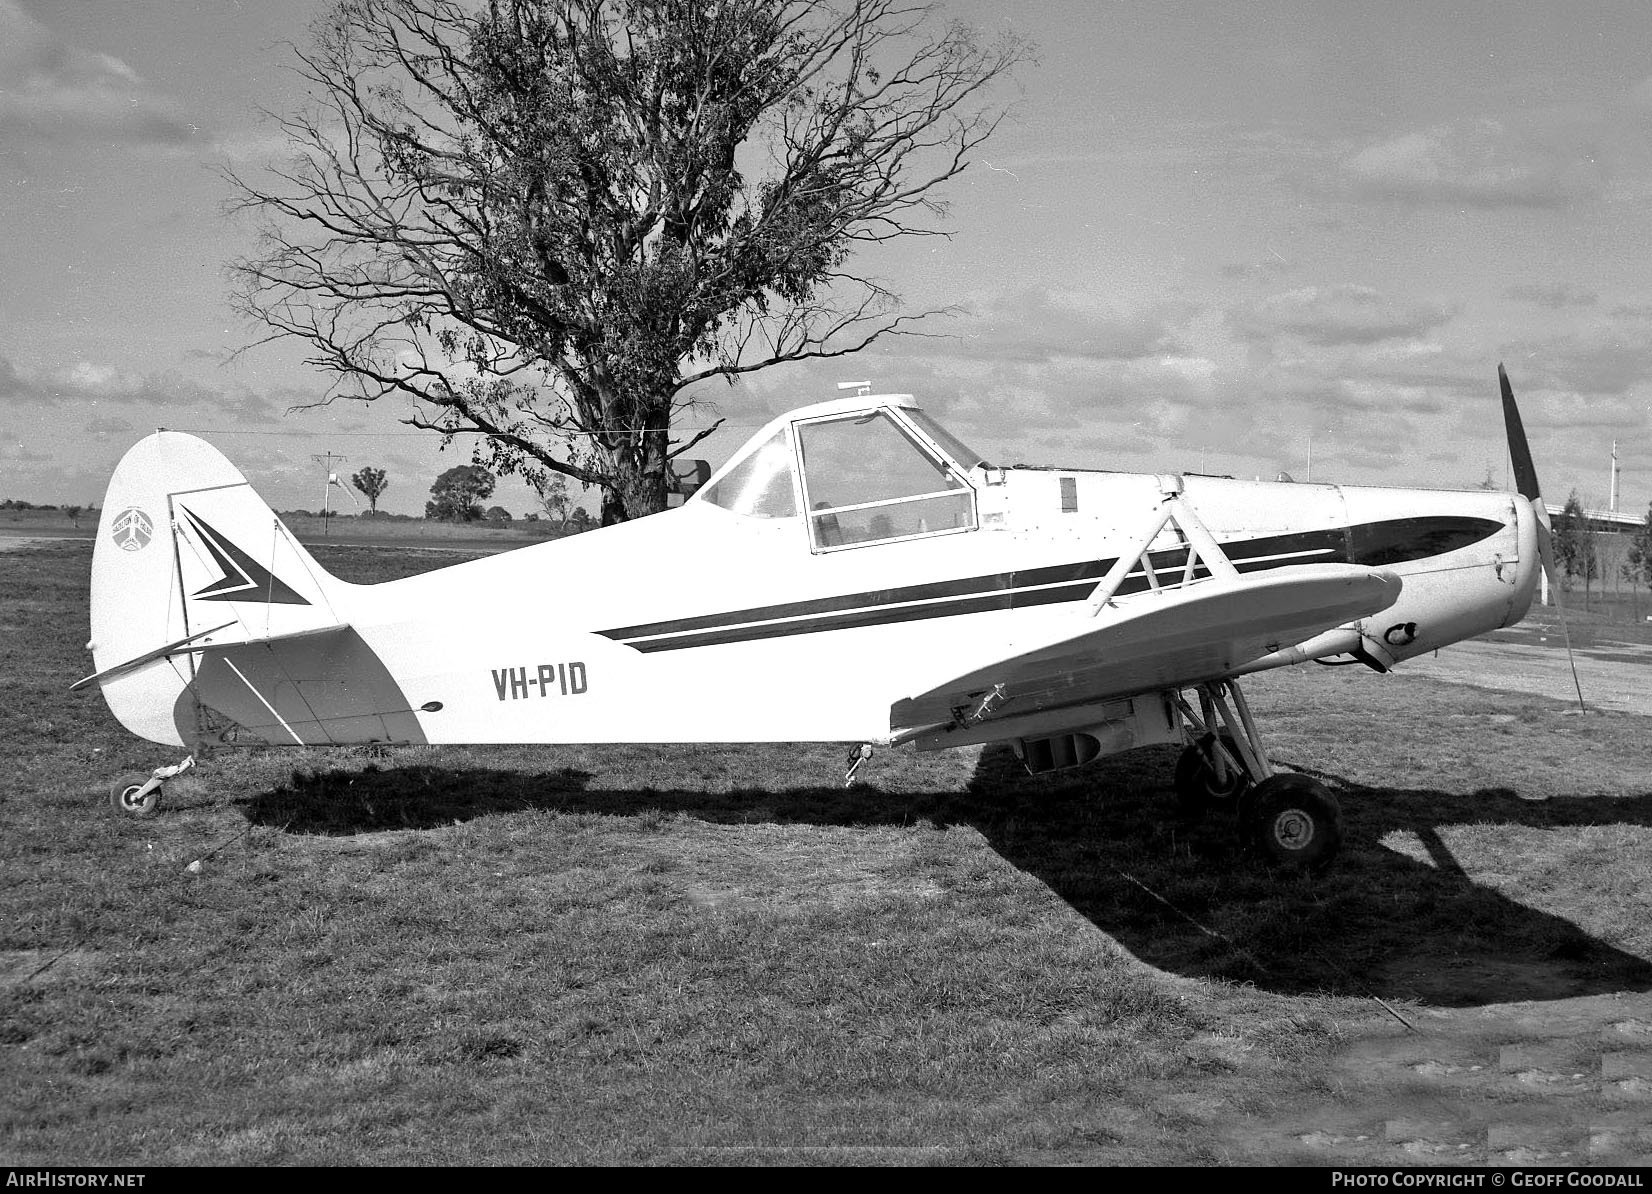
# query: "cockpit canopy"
[870,474]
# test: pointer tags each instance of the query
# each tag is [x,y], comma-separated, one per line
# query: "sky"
[1239,239]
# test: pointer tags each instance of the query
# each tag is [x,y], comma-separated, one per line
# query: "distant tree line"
[1577,551]
[72,513]
[460,494]
[1637,567]
[1574,544]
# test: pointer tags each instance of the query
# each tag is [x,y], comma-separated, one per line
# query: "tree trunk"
[640,473]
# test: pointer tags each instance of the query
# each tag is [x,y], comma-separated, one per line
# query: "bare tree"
[547,220]
[553,497]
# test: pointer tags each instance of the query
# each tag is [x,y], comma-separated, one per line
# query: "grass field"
[718,955]
[345,529]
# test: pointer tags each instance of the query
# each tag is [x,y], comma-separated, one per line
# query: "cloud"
[1270,268]
[51,90]
[1336,315]
[1610,360]
[1034,374]
[1040,325]
[110,428]
[1053,377]
[1482,163]
[1371,381]
[22,454]
[86,381]
[1639,98]
[1554,296]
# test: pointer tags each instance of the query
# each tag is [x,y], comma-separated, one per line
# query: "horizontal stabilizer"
[133,664]
[323,687]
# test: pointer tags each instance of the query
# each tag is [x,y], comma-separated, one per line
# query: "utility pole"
[1612,507]
[331,478]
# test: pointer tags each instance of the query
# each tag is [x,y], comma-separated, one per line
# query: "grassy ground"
[716,954]
[339,529]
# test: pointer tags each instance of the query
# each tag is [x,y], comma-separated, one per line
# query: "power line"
[425,435]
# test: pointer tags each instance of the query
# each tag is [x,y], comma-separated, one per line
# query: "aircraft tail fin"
[189,556]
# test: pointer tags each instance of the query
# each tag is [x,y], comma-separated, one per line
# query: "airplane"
[854,573]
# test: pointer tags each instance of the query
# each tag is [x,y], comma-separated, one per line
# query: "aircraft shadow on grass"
[1400,920]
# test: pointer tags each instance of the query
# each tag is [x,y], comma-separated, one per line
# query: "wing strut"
[1201,547]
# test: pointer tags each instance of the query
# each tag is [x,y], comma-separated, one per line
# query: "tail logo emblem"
[132,530]
[243,578]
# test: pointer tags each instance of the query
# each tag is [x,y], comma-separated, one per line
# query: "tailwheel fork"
[1292,820]
[140,795]
[857,758]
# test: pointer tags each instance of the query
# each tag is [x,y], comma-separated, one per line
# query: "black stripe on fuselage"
[1373,544]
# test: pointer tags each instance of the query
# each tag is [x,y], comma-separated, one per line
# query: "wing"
[1169,639]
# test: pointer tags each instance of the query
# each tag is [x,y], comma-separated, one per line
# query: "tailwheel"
[1293,821]
[135,795]
[140,795]
[1199,784]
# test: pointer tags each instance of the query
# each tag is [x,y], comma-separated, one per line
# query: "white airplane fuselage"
[751,623]
[694,625]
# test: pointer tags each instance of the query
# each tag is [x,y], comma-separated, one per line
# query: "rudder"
[186,550]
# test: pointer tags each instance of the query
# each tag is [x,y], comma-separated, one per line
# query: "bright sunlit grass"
[717,954]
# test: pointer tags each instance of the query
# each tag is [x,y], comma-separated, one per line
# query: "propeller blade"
[1520,452]
[1525,480]
[1525,473]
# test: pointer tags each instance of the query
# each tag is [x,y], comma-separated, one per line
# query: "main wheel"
[1293,821]
[124,796]
[1197,788]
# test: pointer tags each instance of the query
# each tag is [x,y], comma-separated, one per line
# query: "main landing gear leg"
[1291,819]
[140,795]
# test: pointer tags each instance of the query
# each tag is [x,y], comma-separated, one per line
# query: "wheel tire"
[1294,822]
[123,796]
[1196,788]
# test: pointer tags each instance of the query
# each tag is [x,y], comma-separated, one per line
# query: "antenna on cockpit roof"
[860,387]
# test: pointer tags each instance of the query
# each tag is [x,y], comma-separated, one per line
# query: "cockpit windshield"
[869,481]
[965,456]
[864,476]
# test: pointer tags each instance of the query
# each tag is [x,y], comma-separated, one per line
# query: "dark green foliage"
[372,482]
[457,495]
[560,215]
[1574,544]
[1638,559]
